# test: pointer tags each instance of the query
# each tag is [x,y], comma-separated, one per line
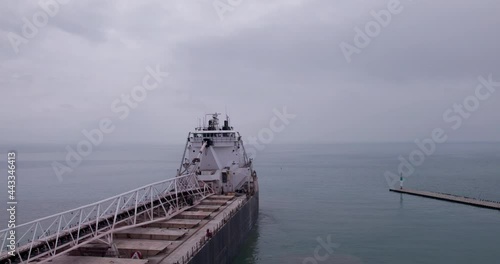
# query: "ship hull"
[226,243]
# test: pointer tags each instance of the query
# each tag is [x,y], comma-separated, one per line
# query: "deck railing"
[48,237]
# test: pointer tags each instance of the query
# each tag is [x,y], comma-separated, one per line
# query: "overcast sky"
[263,55]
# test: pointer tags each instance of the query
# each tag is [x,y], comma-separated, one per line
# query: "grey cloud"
[264,55]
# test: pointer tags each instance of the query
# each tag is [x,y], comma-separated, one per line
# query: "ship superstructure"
[216,154]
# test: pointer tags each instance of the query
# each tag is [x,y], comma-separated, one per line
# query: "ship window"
[224,177]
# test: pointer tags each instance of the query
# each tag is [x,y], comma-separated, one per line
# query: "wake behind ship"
[202,215]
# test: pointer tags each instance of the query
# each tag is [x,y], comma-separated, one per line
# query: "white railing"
[51,236]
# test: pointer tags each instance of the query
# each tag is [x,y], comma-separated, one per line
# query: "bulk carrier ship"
[202,215]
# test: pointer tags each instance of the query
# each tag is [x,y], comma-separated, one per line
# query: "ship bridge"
[225,166]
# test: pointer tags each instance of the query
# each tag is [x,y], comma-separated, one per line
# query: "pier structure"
[450,198]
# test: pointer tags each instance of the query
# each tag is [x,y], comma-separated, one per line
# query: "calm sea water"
[333,193]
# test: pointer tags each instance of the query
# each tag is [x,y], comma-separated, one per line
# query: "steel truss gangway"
[46,238]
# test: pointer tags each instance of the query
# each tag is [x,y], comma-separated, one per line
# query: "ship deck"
[173,240]
[96,260]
